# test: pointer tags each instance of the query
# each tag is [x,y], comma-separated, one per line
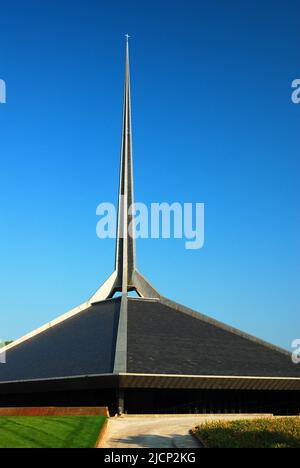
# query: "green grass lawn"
[260,433]
[50,432]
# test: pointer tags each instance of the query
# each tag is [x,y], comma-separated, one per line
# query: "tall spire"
[125,246]
[125,277]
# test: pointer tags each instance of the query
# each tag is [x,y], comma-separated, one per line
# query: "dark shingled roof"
[81,345]
[162,338]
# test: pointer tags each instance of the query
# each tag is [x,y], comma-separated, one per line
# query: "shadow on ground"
[157,441]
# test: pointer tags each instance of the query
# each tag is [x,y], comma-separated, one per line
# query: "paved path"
[156,431]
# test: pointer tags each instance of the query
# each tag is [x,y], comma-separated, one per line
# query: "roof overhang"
[151,381]
[210,382]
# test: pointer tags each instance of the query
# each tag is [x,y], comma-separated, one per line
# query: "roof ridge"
[53,323]
[198,315]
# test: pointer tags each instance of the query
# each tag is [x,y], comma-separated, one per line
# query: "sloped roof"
[162,338]
[165,338]
[84,344]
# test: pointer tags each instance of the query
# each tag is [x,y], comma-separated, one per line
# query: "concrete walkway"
[158,431]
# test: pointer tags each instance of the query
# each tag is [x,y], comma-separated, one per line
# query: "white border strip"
[47,326]
[177,376]
[245,377]
[205,318]
[77,310]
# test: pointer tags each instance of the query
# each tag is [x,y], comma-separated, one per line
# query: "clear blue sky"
[213,123]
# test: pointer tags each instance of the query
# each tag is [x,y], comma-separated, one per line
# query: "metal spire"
[125,246]
[125,277]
